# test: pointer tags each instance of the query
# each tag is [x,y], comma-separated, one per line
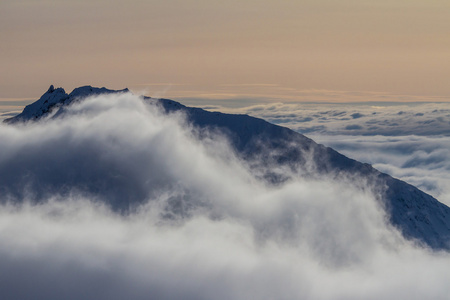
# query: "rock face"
[268,147]
[56,98]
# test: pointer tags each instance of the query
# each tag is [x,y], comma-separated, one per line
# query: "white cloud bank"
[410,141]
[204,227]
[423,161]
[365,118]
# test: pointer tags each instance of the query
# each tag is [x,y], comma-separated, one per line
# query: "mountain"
[268,148]
[56,98]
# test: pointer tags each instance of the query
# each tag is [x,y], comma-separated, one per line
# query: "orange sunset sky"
[321,50]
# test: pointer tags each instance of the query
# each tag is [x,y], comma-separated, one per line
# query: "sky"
[249,51]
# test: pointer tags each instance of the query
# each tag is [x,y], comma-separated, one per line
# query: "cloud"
[353,127]
[193,223]
[419,160]
[76,249]
[390,119]
[357,115]
[409,141]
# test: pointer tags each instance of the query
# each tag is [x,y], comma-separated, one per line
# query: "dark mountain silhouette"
[268,148]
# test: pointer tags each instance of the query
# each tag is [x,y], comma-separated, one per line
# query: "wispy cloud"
[423,161]
[203,228]
[407,140]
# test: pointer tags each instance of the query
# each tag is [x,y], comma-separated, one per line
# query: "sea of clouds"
[116,200]
[410,141]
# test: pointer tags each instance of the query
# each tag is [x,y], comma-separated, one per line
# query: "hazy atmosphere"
[290,50]
[208,229]
[112,195]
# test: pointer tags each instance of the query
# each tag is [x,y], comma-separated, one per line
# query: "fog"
[358,118]
[115,200]
[409,141]
[423,161]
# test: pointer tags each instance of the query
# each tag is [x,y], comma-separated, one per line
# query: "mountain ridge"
[416,214]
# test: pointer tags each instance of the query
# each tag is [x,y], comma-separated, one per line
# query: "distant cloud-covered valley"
[410,141]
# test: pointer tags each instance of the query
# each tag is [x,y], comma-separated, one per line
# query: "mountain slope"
[56,98]
[267,148]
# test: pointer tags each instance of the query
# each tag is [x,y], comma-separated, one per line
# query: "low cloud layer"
[409,141]
[421,161]
[390,119]
[195,223]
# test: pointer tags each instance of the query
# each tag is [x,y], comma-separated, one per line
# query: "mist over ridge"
[147,199]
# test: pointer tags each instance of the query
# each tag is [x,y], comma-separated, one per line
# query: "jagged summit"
[88,90]
[416,214]
[54,98]
[51,89]
[42,106]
